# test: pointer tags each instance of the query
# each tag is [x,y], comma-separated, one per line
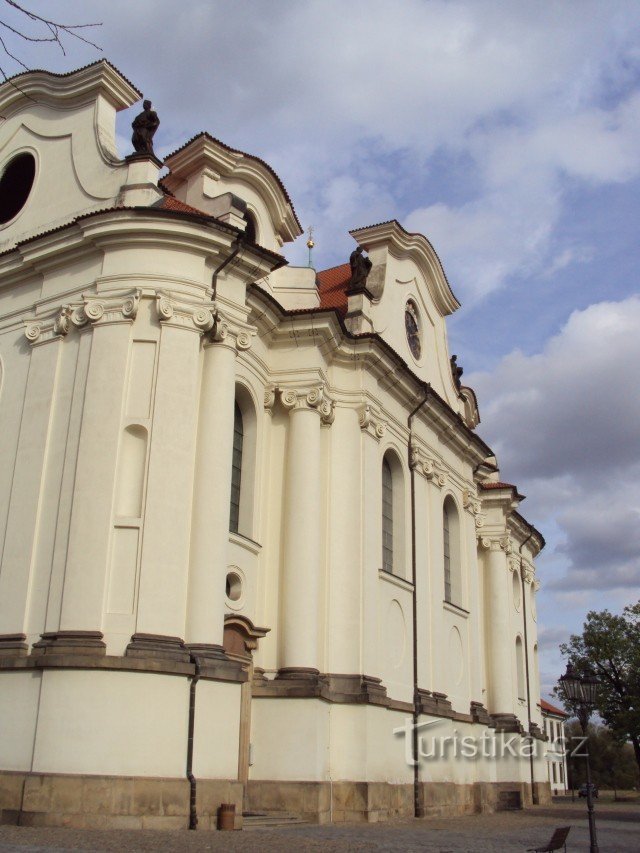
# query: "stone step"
[261,820]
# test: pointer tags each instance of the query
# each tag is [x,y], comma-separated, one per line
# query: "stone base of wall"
[112,802]
[323,802]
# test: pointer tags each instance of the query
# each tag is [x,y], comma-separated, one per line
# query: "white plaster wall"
[19,692]
[217,730]
[290,739]
[363,746]
[120,723]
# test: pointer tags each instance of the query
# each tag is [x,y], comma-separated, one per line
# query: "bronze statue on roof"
[144,127]
[456,372]
[360,269]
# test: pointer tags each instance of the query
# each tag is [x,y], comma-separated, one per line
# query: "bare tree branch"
[46,31]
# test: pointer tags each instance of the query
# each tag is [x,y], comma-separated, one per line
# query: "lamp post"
[580,691]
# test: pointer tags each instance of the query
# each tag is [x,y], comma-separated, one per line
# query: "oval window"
[16,182]
[412,328]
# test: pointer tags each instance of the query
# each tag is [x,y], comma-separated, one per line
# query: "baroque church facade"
[254,550]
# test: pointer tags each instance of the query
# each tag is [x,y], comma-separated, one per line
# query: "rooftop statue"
[144,127]
[456,372]
[360,269]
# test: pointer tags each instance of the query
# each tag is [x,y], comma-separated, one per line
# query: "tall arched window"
[393,515]
[520,668]
[236,470]
[451,552]
[387,516]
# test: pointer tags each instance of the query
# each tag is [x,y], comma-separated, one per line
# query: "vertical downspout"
[193,814]
[193,810]
[418,810]
[216,272]
[534,797]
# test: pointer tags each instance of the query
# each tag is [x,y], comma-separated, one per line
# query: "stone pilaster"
[212,492]
[498,635]
[346,535]
[108,320]
[302,580]
[162,600]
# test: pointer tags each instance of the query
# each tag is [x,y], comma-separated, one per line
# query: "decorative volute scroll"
[193,316]
[270,398]
[494,543]
[528,574]
[314,398]
[371,423]
[474,507]
[93,310]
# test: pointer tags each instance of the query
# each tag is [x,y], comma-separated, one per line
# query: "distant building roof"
[548,708]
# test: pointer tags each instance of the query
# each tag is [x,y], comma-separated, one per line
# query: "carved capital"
[484,542]
[269,398]
[513,565]
[48,328]
[183,314]
[371,423]
[105,310]
[424,465]
[528,574]
[314,398]
[471,504]
[505,544]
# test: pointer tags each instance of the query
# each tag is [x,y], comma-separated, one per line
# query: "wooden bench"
[558,840]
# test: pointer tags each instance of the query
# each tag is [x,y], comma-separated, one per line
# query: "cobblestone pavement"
[618,832]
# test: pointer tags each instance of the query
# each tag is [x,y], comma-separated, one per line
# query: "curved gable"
[205,169]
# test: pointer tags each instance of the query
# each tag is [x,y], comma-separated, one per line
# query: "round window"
[233,586]
[16,182]
[412,328]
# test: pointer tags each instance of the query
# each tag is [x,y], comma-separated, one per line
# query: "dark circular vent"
[15,185]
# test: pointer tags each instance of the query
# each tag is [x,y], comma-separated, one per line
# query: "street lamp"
[580,691]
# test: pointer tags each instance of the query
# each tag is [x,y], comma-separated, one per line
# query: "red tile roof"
[332,288]
[170,202]
[497,485]
[551,709]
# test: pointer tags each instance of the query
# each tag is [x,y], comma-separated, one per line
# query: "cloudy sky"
[508,133]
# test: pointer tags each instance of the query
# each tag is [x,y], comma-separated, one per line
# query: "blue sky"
[508,133]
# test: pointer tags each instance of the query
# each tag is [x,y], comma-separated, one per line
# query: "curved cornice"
[76,87]
[204,151]
[415,246]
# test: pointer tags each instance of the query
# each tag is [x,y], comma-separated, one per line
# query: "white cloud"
[525,95]
[564,423]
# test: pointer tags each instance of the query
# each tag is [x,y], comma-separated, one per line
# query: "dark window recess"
[447,555]
[250,231]
[236,470]
[15,186]
[387,517]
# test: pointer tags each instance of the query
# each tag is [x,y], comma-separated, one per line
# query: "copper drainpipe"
[193,814]
[418,809]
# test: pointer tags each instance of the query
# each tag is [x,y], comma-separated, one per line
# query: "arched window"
[451,552]
[236,470]
[393,515]
[520,668]
[387,516]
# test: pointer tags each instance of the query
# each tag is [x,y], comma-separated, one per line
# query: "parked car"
[583,790]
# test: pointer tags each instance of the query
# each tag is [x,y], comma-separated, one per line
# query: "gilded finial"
[310,242]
